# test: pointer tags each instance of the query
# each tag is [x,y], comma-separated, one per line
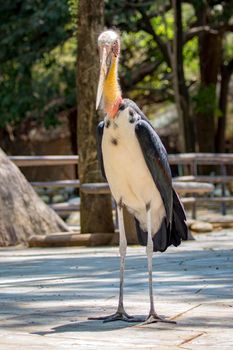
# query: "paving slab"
[47,295]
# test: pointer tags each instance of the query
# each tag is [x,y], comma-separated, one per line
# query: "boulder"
[201,227]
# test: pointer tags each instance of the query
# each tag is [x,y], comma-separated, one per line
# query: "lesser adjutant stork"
[134,162]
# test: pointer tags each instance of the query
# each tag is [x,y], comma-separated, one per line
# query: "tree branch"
[147,26]
[197,30]
[215,30]
[138,73]
[153,96]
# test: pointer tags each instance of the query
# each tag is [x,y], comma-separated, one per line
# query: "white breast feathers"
[127,173]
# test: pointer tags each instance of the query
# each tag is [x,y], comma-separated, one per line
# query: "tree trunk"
[226,71]
[180,89]
[22,212]
[210,47]
[96,210]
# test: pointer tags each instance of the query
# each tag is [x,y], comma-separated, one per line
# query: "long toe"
[118,316]
[154,318]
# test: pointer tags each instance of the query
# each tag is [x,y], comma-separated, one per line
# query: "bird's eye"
[115,48]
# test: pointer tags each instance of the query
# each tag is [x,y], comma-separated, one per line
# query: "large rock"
[22,211]
[201,227]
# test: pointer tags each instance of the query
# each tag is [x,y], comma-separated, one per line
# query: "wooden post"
[223,185]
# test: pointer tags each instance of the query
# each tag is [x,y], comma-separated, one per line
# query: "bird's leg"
[153,316]
[120,314]
[149,252]
[122,249]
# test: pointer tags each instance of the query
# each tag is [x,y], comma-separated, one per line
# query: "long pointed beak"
[103,74]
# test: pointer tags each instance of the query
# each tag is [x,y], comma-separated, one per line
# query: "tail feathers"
[167,235]
[142,235]
[179,229]
[178,206]
[160,239]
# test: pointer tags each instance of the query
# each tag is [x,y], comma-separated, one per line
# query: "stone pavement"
[47,295]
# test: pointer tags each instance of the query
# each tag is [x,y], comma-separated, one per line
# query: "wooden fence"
[32,161]
[194,189]
[189,163]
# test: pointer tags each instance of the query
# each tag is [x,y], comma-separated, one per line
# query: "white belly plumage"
[128,176]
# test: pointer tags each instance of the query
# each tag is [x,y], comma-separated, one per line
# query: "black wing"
[173,228]
[156,159]
[99,136]
[155,156]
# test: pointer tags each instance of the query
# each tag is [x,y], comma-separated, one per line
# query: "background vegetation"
[170,54]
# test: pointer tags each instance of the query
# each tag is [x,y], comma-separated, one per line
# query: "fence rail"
[201,158]
[30,161]
[184,158]
[59,183]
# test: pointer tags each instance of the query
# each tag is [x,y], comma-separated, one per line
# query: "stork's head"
[109,50]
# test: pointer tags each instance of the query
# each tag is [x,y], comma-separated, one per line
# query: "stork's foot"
[118,316]
[154,318]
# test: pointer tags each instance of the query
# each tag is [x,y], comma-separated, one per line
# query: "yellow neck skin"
[111,91]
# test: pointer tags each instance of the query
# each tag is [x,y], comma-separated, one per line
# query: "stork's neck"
[112,91]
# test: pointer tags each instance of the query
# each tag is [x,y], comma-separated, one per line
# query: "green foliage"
[205,101]
[26,27]
[191,59]
[163,25]
[31,74]
[228,47]
[38,54]
[73,9]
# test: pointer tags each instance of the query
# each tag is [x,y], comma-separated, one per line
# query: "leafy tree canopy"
[36,57]
[38,52]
